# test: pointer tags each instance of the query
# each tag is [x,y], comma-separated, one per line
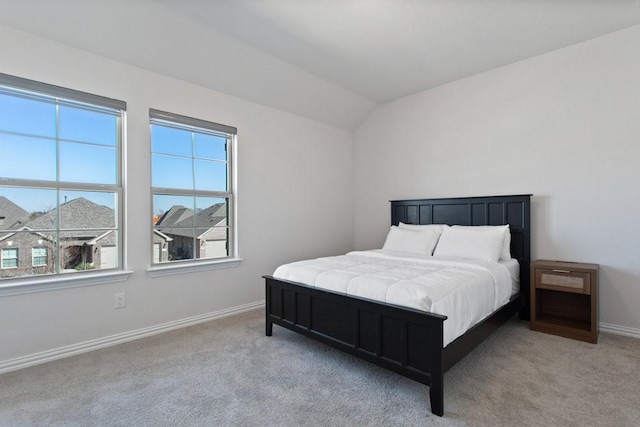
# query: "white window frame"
[34,257]
[58,95]
[3,257]
[190,124]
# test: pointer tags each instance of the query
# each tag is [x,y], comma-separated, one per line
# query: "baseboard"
[87,346]
[619,330]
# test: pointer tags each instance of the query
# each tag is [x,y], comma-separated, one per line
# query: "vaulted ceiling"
[328,60]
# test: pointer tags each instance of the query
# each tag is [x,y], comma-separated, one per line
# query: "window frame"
[3,258]
[65,97]
[34,256]
[190,124]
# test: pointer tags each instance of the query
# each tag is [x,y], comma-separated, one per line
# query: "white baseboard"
[87,346]
[619,330]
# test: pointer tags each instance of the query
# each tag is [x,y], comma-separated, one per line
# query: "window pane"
[94,247]
[39,257]
[181,245]
[39,252]
[212,212]
[213,242]
[88,163]
[173,211]
[9,257]
[26,207]
[75,252]
[8,263]
[20,258]
[177,226]
[211,223]
[27,116]
[174,226]
[211,175]
[172,172]
[79,253]
[107,255]
[177,217]
[87,210]
[168,140]
[211,207]
[27,158]
[88,126]
[210,147]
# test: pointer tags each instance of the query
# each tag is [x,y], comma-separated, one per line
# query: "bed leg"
[436,395]
[269,327]
[267,309]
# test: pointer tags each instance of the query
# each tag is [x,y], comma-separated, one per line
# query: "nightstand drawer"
[563,280]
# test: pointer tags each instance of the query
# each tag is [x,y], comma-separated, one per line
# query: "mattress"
[466,291]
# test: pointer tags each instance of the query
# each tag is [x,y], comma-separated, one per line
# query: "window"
[39,257]
[192,188]
[60,176]
[9,258]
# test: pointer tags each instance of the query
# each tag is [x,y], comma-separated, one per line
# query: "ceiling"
[386,49]
[333,60]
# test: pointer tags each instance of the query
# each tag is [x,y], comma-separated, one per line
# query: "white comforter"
[463,290]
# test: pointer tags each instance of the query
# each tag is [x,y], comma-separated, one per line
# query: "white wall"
[294,193]
[567,122]
[564,126]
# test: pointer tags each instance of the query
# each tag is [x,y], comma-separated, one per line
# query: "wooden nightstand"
[564,299]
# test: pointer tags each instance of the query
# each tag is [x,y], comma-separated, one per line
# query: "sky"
[42,142]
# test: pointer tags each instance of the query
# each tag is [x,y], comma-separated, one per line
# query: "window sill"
[32,284]
[190,267]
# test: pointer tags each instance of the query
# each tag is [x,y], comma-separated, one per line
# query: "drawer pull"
[561,271]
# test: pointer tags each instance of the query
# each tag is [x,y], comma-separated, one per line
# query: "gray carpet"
[226,372]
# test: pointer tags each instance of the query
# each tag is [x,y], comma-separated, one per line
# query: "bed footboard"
[402,340]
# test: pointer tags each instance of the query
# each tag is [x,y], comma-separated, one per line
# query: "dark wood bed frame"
[403,340]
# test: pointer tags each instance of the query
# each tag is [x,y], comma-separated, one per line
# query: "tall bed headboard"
[493,210]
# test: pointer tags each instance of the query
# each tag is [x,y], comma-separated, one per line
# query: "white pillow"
[505,254]
[415,242]
[462,242]
[423,227]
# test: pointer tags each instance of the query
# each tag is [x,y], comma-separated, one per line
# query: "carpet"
[227,373]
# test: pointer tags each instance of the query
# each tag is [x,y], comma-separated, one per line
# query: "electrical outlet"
[120,300]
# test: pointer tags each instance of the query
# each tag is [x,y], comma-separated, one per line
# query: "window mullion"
[195,193]
[58,267]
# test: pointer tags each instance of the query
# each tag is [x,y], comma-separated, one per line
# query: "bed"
[405,340]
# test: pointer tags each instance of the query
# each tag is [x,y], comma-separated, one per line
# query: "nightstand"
[564,299]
